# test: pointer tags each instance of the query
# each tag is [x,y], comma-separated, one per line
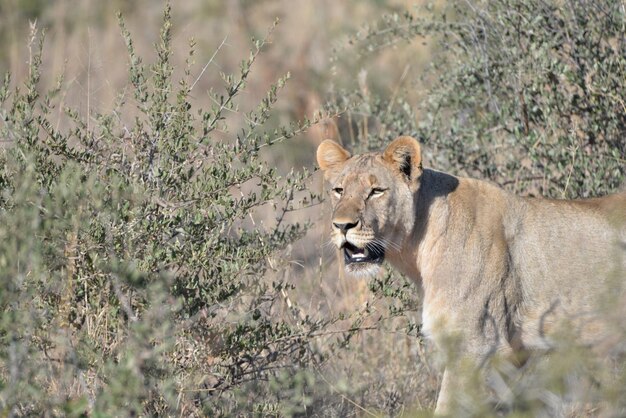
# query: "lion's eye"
[377,191]
[338,191]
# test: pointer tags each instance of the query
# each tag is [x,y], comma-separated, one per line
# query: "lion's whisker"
[328,244]
[389,243]
[379,245]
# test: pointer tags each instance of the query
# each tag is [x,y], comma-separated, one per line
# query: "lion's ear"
[405,155]
[330,154]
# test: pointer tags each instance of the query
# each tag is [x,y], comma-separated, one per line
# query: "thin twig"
[209,62]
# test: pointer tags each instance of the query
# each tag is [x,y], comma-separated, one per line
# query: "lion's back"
[564,255]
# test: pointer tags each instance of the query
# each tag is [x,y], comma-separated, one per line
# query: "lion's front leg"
[493,389]
[445,394]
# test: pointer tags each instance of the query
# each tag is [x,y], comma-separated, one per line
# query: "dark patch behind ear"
[405,166]
[405,154]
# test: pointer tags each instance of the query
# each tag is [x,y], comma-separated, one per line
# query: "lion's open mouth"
[368,254]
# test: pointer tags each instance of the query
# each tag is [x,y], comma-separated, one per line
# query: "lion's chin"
[362,269]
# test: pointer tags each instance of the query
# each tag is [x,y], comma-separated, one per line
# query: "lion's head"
[373,199]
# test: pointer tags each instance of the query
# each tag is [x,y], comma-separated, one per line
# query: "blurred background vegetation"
[162,232]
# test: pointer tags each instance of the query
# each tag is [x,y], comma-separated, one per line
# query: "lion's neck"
[431,216]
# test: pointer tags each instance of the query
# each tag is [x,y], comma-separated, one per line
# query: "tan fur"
[499,270]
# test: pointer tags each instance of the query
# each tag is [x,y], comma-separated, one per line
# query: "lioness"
[497,269]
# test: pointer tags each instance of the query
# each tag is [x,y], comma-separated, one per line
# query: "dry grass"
[83,43]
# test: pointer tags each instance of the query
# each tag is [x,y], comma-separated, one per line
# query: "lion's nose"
[344,226]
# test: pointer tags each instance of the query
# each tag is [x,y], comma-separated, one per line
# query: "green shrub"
[527,94]
[140,249]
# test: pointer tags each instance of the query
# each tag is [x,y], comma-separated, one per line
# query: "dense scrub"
[132,248]
[528,94]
